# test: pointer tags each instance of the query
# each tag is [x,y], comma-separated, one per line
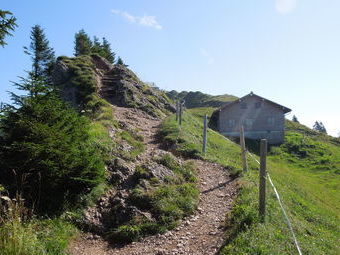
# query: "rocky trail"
[201,233]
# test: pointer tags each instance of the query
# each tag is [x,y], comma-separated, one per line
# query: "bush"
[46,156]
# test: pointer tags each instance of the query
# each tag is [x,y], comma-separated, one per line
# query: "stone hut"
[260,117]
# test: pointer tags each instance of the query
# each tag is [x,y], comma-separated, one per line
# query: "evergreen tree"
[83,44]
[41,53]
[96,46]
[322,128]
[294,119]
[44,150]
[121,62]
[108,53]
[318,126]
[7,24]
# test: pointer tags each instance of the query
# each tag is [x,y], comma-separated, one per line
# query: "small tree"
[108,53]
[318,126]
[96,46]
[83,44]
[121,62]
[44,150]
[41,53]
[7,25]
[294,119]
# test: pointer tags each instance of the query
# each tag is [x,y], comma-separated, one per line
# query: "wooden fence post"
[177,110]
[243,150]
[180,113]
[205,127]
[262,190]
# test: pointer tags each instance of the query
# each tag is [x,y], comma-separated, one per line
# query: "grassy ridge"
[307,179]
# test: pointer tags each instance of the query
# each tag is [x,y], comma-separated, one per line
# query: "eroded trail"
[202,233]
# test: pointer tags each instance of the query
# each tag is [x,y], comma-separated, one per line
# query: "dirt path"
[202,233]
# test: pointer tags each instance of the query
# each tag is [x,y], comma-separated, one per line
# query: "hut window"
[258,105]
[244,106]
[231,123]
[271,121]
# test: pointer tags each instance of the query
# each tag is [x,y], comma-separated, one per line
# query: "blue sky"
[285,50]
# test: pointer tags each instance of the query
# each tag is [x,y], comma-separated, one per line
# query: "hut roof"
[251,94]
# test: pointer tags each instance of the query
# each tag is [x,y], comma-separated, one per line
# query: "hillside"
[305,170]
[199,99]
[153,190]
[150,188]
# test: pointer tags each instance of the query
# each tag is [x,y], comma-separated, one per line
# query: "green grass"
[50,237]
[200,112]
[188,142]
[198,99]
[135,141]
[20,234]
[305,170]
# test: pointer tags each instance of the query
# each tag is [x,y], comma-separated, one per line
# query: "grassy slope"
[188,140]
[199,99]
[310,194]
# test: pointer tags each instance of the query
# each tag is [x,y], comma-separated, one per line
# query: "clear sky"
[285,50]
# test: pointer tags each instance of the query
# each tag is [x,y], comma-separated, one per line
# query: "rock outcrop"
[81,77]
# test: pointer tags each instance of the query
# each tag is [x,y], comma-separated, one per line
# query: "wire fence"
[282,208]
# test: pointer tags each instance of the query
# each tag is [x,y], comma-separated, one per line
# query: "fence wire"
[282,208]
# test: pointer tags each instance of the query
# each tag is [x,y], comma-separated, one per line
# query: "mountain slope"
[199,99]
[150,187]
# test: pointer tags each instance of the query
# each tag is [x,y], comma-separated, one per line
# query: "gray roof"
[251,94]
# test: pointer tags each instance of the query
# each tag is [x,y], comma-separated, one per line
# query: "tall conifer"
[42,55]
[83,43]
[7,25]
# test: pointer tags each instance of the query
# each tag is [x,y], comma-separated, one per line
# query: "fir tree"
[294,119]
[41,53]
[318,126]
[108,53]
[83,44]
[121,62]
[44,150]
[7,25]
[96,46]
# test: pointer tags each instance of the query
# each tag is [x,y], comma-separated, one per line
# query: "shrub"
[46,155]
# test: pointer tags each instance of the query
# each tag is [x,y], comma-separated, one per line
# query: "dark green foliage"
[42,55]
[45,153]
[318,126]
[96,46]
[83,43]
[107,52]
[85,46]
[103,49]
[121,62]
[7,24]
[294,119]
